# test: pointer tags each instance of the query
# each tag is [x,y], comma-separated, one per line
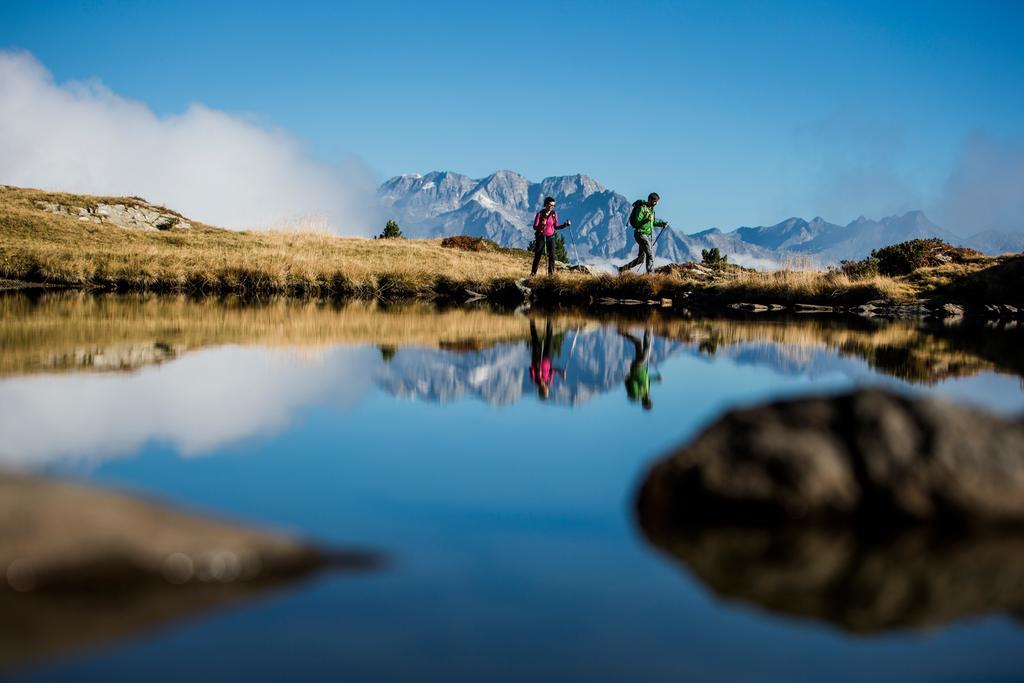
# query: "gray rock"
[869,454]
[81,567]
[951,311]
[67,537]
[753,308]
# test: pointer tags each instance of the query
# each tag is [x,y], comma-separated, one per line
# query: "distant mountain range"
[500,207]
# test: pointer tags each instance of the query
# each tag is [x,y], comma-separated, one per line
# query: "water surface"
[494,459]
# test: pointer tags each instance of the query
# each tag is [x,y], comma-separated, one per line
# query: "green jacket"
[646,219]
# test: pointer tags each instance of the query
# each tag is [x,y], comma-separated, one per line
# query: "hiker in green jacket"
[643,222]
[638,381]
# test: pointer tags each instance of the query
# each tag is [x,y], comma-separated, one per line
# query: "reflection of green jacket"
[638,384]
[646,220]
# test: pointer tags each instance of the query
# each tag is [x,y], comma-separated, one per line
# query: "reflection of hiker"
[638,382]
[643,222]
[542,372]
[544,225]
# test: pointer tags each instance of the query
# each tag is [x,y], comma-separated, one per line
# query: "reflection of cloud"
[197,403]
[208,164]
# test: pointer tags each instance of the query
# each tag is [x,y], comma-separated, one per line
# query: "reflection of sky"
[215,397]
[515,552]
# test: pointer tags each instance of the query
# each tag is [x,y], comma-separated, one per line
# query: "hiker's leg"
[535,346]
[645,251]
[639,257]
[551,254]
[538,247]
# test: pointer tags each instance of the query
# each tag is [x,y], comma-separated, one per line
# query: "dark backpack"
[634,215]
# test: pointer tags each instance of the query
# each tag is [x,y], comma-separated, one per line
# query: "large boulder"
[869,511]
[869,455]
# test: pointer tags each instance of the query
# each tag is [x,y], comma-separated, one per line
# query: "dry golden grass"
[44,247]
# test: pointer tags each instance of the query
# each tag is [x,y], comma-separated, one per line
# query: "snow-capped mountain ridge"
[501,206]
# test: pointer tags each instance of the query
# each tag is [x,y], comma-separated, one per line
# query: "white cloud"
[199,402]
[209,165]
[985,191]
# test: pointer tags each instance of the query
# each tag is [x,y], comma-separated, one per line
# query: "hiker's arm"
[536,221]
[661,224]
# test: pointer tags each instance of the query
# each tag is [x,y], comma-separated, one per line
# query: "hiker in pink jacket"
[544,225]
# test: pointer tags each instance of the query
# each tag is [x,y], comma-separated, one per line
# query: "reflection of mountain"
[100,376]
[913,580]
[595,362]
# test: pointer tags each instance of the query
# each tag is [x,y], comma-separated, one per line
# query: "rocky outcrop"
[136,216]
[869,455]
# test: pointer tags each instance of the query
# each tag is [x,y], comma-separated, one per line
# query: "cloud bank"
[207,164]
[985,191]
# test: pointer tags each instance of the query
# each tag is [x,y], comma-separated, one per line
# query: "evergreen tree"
[713,257]
[561,253]
[391,231]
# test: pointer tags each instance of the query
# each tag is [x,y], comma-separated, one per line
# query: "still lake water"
[507,518]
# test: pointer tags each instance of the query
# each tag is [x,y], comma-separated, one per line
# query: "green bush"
[906,257]
[713,257]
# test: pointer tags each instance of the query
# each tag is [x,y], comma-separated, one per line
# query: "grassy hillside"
[37,245]
[80,246]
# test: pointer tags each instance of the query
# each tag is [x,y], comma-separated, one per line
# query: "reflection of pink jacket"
[546,223]
[545,373]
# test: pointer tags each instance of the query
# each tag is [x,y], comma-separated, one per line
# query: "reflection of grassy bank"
[910,351]
[58,331]
[66,330]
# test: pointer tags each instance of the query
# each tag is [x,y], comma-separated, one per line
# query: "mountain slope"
[501,206]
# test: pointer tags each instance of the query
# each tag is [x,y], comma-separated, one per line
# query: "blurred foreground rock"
[914,579]
[870,455]
[81,566]
[868,511]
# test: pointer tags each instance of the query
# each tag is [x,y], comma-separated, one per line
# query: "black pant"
[539,242]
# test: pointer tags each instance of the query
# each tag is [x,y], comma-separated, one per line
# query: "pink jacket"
[546,223]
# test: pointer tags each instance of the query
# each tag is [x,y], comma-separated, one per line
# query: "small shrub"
[713,257]
[859,270]
[467,243]
[906,257]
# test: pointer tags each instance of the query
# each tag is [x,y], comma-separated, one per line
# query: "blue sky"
[738,113]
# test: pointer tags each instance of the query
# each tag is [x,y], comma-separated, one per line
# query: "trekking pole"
[658,237]
[572,234]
